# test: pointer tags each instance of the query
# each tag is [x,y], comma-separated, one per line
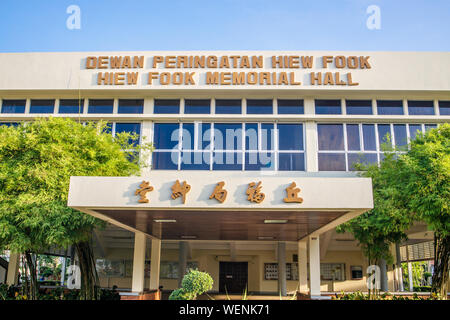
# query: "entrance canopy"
[221,205]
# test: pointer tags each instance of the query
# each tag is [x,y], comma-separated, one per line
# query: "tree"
[409,186]
[36,162]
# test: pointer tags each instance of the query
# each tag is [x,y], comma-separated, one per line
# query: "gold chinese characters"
[144,187]
[219,193]
[254,192]
[180,190]
[292,194]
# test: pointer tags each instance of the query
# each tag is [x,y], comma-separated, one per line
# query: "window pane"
[101,106]
[251,136]
[353,141]
[188,135]
[267,136]
[131,106]
[259,161]
[331,162]
[197,106]
[225,106]
[227,161]
[9,124]
[444,108]
[420,108]
[13,106]
[290,136]
[369,137]
[430,126]
[204,136]
[358,106]
[364,158]
[129,127]
[390,107]
[71,106]
[167,106]
[166,135]
[401,138]
[291,162]
[384,134]
[259,106]
[195,160]
[165,160]
[413,130]
[290,106]
[328,106]
[42,106]
[331,136]
[227,136]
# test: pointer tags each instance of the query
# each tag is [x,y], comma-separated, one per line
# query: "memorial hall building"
[253,161]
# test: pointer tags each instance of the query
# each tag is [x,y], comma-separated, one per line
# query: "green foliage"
[193,284]
[36,162]
[386,296]
[197,282]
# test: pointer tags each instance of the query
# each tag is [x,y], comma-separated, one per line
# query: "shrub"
[197,282]
[181,294]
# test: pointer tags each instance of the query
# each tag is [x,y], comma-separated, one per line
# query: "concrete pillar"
[398,261]
[183,253]
[282,268]
[314,266]
[62,260]
[155,261]
[383,275]
[410,276]
[13,269]
[140,242]
[311,146]
[302,267]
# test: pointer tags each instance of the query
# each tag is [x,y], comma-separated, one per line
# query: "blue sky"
[40,25]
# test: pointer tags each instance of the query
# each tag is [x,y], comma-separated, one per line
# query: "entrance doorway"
[233,276]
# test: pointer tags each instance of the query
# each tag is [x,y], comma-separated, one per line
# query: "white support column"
[410,276]
[13,269]
[302,267]
[182,254]
[137,284]
[282,268]
[314,265]
[155,261]
[311,147]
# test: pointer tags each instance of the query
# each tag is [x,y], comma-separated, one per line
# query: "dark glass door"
[233,276]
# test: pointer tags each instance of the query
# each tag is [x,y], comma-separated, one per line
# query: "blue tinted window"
[414,129]
[291,162]
[290,136]
[363,158]
[331,136]
[71,106]
[227,161]
[328,106]
[13,106]
[259,161]
[251,136]
[197,106]
[400,136]
[166,135]
[384,135]
[131,106]
[358,106]
[195,160]
[390,107]
[353,141]
[203,136]
[444,108]
[331,162]
[430,126]
[267,136]
[228,106]
[259,106]
[129,127]
[101,106]
[370,141]
[227,136]
[42,106]
[165,160]
[420,108]
[167,106]
[9,124]
[290,106]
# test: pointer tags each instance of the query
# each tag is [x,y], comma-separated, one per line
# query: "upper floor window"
[420,108]
[390,107]
[167,106]
[131,106]
[42,106]
[290,106]
[444,108]
[228,106]
[101,106]
[358,106]
[133,128]
[13,106]
[259,106]
[197,106]
[328,106]
[71,106]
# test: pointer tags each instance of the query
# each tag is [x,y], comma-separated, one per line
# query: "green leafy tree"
[37,160]
[410,186]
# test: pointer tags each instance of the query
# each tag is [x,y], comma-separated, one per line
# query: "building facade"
[253,162]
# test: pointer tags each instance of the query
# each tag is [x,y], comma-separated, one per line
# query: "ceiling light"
[164,220]
[188,237]
[265,238]
[275,221]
